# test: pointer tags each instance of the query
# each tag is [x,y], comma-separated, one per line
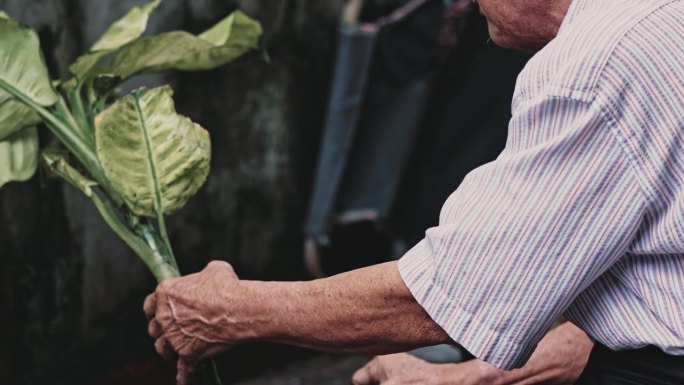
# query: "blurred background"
[336,153]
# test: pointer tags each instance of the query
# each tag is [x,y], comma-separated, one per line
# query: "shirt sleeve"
[524,235]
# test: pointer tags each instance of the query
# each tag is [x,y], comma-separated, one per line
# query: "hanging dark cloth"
[386,85]
[371,121]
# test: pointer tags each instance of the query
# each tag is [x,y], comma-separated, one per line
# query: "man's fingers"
[212,351]
[162,346]
[185,369]
[221,267]
[154,329]
[150,305]
[363,376]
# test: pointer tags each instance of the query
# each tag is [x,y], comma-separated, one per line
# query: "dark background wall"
[70,291]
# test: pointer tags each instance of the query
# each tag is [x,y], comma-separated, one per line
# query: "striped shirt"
[582,214]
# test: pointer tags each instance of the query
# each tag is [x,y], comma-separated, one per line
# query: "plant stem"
[164,234]
[159,247]
[153,258]
[63,111]
[84,153]
[74,98]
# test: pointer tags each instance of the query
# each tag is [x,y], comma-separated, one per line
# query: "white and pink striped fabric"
[582,214]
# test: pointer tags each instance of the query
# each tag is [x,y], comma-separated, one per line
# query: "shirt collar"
[576,8]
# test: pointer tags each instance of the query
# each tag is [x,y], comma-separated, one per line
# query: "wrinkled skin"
[398,369]
[524,25]
[558,360]
[187,317]
[203,314]
[404,369]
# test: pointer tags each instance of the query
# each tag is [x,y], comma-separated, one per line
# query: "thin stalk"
[211,375]
[145,231]
[98,106]
[164,234]
[63,111]
[154,259]
[74,98]
[83,153]
[90,93]
[73,143]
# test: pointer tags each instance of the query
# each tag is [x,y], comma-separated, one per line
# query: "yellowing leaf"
[154,158]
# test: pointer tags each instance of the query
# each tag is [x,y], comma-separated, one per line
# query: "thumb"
[363,376]
[185,371]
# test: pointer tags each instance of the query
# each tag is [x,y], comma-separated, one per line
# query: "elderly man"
[581,215]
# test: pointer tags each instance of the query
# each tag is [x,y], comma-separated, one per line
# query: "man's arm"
[559,359]
[367,311]
[517,242]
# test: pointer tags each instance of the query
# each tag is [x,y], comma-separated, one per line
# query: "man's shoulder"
[573,64]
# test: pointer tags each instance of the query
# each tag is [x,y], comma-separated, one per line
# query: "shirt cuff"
[478,332]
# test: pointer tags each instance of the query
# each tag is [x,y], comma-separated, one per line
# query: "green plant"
[134,156]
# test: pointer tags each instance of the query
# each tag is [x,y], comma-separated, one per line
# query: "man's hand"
[188,316]
[404,369]
[559,360]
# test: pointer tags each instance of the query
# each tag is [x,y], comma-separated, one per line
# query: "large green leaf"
[19,156]
[154,158]
[22,71]
[226,41]
[128,28]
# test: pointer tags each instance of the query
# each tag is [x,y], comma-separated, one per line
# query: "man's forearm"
[364,311]
[559,359]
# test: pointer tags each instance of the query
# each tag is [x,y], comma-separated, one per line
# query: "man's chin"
[510,42]
[500,39]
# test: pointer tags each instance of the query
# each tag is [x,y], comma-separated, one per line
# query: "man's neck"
[576,7]
[556,16]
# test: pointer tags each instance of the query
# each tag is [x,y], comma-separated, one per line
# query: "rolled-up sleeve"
[524,235]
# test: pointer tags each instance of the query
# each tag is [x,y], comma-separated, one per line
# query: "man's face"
[525,25]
